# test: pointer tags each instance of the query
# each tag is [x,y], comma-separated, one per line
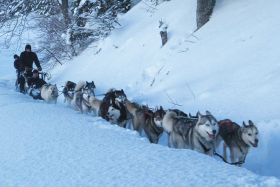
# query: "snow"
[229,67]
[56,146]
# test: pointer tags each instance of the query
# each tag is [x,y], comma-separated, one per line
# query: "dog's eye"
[250,134]
[257,133]
[207,124]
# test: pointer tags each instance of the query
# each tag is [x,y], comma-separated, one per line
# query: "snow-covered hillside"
[228,67]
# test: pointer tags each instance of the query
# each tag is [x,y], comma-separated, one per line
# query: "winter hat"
[16,56]
[28,46]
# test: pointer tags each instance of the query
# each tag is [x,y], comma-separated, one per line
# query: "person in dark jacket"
[35,84]
[18,67]
[27,58]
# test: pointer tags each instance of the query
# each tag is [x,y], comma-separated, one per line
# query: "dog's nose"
[214,132]
[256,141]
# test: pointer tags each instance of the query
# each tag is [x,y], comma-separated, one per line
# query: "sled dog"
[238,139]
[112,107]
[191,133]
[143,119]
[49,93]
[68,91]
[82,90]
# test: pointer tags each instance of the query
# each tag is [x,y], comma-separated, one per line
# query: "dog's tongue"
[212,136]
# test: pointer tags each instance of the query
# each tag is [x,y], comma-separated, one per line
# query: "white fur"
[80,85]
[95,104]
[114,115]
[49,93]
[167,122]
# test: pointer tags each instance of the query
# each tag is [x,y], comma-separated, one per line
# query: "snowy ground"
[229,67]
[52,145]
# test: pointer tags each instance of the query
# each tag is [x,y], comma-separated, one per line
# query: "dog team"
[201,132]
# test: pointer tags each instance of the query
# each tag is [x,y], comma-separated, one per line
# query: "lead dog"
[191,133]
[49,93]
[238,139]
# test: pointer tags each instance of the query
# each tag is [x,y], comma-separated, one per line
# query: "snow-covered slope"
[52,145]
[230,66]
[232,58]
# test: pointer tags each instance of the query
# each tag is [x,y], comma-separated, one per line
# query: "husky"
[191,133]
[49,93]
[112,107]
[68,91]
[91,104]
[83,89]
[238,139]
[143,119]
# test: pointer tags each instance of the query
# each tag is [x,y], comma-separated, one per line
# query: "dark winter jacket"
[27,59]
[18,65]
[36,82]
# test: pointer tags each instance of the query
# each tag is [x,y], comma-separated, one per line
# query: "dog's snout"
[214,132]
[256,141]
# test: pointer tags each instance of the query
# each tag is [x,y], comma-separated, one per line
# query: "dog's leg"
[225,151]
[232,155]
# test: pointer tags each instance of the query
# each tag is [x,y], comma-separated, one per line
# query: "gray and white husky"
[197,133]
[49,93]
[238,139]
[82,90]
[91,104]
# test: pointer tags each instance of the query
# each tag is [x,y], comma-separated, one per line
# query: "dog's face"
[70,86]
[113,115]
[250,134]
[207,126]
[53,90]
[89,87]
[120,95]
[158,116]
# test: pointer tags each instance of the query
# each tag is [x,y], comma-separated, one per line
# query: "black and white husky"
[197,133]
[49,93]
[238,139]
[112,107]
[68,91]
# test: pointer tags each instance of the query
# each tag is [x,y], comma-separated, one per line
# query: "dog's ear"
[251,123]
[208,113]
[244,124]
[160,108]
[198,114]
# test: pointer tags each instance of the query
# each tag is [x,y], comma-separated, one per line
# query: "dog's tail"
[80,85]
[168,120]
[131,107]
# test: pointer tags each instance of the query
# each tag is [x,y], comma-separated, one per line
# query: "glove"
[39,69]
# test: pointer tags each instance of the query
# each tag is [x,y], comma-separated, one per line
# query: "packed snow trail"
[52,145]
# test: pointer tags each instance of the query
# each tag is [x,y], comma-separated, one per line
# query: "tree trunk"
[204,11]
[65,9]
